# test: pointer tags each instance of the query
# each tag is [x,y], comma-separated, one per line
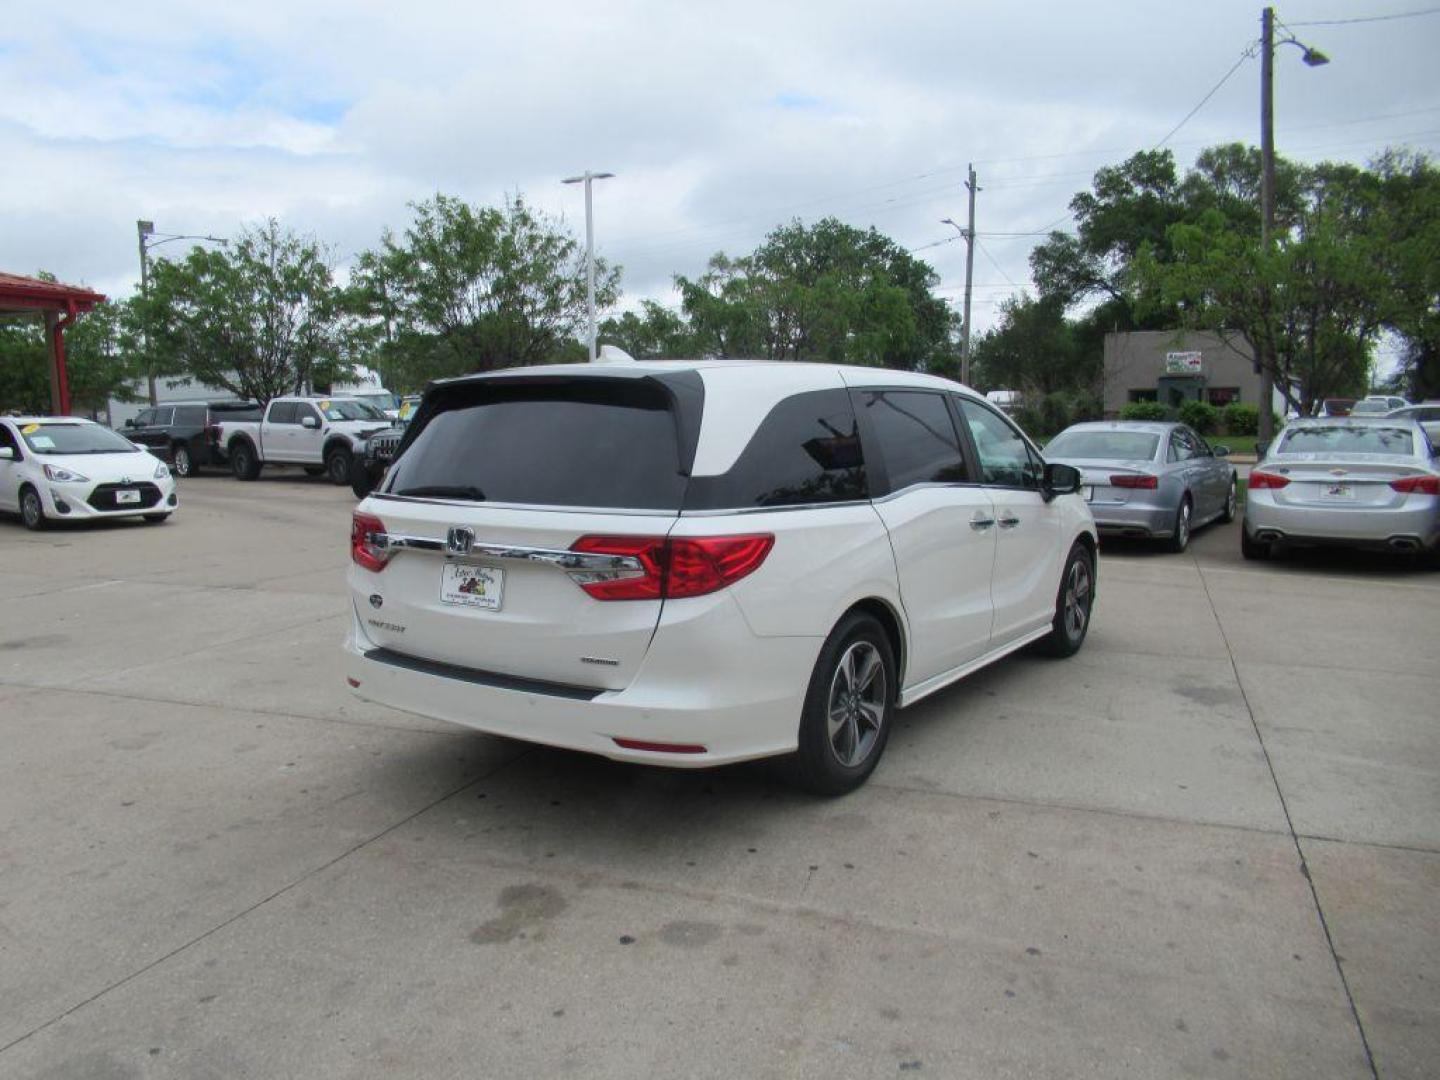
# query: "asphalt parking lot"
[1208,846]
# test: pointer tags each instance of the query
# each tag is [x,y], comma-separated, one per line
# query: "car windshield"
[350,409]
[1373,407]
[75,439]
[1347,439]
[379,401]
[1104,445]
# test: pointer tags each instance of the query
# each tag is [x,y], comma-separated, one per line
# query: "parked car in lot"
[1335,407]
[182,432]
[1426,414]
[1148,480]
[320,433]
[1351,482]
[63,468]
[1390,401]
[380,446]
[700,563]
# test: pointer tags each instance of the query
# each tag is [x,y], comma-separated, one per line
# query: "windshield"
[1104,445]
[1343,439]
[380,401]
[75,439]
[350,409]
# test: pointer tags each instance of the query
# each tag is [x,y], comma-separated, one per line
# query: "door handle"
[980,524]
[1009,521]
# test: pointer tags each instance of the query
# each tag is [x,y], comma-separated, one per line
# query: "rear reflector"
[1134,480]
[669,569]
[1417,485]
[354,682]
[1259,481]
[364,551]
[659,747]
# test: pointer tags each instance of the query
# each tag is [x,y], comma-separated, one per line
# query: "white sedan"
[64,468]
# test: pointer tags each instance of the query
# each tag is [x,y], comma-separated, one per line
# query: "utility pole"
[587,177]
[142,230]
[969,277]
[1266,344]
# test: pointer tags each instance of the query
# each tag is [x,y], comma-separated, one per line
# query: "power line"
[1370,18]
[1248,54]
[986,252]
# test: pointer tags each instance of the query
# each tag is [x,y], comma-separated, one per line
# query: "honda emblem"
[459,540]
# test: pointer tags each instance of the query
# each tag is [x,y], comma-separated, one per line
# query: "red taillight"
[1134,480]
[1259,481]
[363,550]
[670,569]
[1417,485]
[660,747]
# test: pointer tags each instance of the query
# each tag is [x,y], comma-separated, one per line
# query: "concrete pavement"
[1208,845]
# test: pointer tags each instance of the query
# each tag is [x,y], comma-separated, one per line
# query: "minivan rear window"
[602,443]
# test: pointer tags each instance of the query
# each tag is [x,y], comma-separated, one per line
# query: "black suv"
[181,432]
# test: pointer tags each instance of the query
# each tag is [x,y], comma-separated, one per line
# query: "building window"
[1144,395]
[1220,396]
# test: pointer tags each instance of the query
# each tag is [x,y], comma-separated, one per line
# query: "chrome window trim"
[789,508]
[543,508]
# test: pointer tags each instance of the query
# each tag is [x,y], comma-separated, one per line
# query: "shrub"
[1241,419]
[1145,410]
[1200,415]
[1031,422]
[1087,406]
[1054,413]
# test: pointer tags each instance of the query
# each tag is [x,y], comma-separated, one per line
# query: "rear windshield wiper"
[446,491]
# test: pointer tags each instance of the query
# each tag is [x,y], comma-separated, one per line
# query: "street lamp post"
[1312,58]
[144,230]
[587,177]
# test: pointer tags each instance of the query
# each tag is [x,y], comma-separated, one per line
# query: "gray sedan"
[1151,480]
[1353,482]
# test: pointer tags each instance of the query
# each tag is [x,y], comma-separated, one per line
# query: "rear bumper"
[1133,520]
[707,680]
[1412,526]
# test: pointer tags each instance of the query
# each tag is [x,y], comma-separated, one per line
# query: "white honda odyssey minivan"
[696,563]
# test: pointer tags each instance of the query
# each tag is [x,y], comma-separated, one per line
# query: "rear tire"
[184,464]
[1180,534]
[845,723]
[1251,548]
[32,509]
[1231,499]
[1074,602]
[338,463]
[243,462]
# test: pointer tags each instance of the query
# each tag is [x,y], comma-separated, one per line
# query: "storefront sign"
[1182,363]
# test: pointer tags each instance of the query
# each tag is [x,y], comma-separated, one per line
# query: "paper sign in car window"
[42,442]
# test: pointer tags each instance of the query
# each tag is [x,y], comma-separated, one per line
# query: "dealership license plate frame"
[472,585]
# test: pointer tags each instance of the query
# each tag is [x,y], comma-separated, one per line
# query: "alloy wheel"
[31,510]
[856,705]
[1077,598]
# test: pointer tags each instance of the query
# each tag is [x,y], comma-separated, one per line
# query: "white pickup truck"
[323,434]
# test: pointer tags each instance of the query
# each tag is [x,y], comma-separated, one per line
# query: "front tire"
[845,723]
[1180,534]
[362,479]
[243,461]
[337,465]
[184,464]
[156,519]
[1074,602]
[32,510]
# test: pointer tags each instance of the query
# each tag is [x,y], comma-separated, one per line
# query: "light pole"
[969,236]
[587,177]
[144,230]
[1312,58]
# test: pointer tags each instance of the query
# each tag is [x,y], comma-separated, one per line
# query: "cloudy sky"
[720,120]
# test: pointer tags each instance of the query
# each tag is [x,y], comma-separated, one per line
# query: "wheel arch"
[889,620]
[336,441]
[240,439]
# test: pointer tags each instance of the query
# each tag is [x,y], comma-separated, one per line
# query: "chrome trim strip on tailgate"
[480,678]
[566,560]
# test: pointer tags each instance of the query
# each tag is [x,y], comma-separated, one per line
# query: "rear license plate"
[1089,492]
[472,586]
[1339,491]
[127,497]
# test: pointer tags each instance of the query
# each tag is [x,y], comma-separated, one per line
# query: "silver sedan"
[1151,480]
[1353,482]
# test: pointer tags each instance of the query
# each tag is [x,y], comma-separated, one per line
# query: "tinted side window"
[303,410]
[163,416]
[1181,448]
[1005,458]
[146,418]
[190,415]
[806,451]
[916,435]
[282,412]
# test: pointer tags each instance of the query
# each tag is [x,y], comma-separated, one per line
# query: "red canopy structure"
[59,305]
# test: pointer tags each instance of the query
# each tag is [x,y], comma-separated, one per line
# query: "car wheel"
[184,464]
[32,510]
[1180,534]
[846,719]
[1074,601]
[337,465]
[243,462]
[1251,548]
[1228,514]
[156,519]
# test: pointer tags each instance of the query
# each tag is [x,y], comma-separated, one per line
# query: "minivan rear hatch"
[497,479]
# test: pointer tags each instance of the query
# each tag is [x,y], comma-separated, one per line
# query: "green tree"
[260,318]
[826,292]
[24,367]
[1408,220]
[653,333]
[1033,349]
[100,355]
[471,288]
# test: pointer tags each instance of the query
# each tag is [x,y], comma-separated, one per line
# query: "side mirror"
[7,453]
[310,422]
[1061,480]
[130,422]
[1220,451]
